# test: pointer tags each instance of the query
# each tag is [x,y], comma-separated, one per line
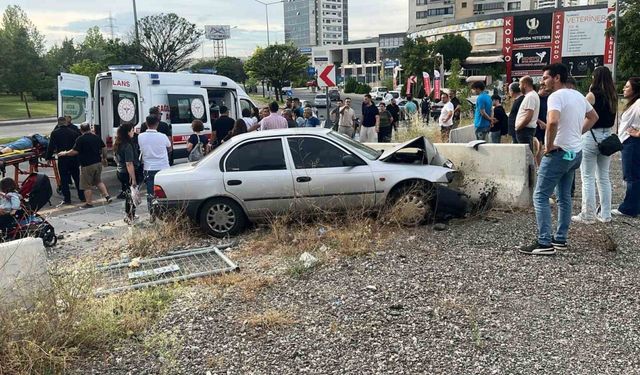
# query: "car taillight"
[158,192]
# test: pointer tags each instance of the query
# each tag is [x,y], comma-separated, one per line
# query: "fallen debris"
[183,265]
[308,260]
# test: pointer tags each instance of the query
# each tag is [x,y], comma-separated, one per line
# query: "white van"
[126,96]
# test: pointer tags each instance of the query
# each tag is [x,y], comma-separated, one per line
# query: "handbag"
[609,145]
[197,153]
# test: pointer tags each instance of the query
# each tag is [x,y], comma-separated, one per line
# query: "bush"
[350,85]
[363,88]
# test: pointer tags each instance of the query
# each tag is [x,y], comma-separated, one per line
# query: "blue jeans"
[149,178]
[481,134]
[595,168]
[555,173]
[631,174]
[496,137]
[22,143]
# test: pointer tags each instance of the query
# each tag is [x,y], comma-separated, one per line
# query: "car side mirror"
[350,161]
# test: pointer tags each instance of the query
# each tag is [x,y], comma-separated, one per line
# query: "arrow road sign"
[327,76]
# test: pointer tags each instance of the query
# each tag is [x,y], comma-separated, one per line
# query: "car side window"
[265,155]
[311,152]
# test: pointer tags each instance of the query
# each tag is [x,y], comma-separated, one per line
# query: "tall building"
[310,23]
[424,13]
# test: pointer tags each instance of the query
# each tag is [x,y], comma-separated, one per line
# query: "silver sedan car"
[262,174]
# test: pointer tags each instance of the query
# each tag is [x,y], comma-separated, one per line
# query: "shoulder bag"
[611,144]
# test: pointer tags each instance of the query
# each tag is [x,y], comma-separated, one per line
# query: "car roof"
[280,132]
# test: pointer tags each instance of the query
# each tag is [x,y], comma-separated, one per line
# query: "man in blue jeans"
[155,148]
[569,115]
[482,118]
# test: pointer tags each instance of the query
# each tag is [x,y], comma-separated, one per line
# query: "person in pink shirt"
[273,121]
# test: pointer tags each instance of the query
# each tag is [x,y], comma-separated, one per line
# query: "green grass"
[7,140]
[11,108]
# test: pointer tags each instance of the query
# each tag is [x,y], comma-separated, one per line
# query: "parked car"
[378,93]
[312,83]
[334,95]
[256,175]
[320,100]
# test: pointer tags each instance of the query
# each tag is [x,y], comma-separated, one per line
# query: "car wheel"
[410,204]
[221,217]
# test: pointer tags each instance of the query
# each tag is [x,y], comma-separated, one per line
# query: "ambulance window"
[125,108]
[244,103]
[186,108]
[74,106]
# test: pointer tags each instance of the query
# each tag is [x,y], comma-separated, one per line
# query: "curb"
[40,120]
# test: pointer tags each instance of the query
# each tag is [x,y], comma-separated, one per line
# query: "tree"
[60,57]
[417,57]
[277,64]
[167,41]
[453,82]
[452,47]
[22,69]
[227,66]
[87,68]
[628,40]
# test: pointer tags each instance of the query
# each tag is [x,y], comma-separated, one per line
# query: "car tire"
[410,204]
[222,217]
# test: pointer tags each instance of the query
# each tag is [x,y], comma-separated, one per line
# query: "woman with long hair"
[238,128]
[629,134]
[594,168]
[128,167]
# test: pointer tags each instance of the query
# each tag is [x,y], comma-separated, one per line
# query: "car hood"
[432,157]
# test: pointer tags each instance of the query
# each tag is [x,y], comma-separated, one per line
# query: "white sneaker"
[579,219]
[617,212]
[603,220]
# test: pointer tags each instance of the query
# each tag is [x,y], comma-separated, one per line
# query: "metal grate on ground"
[176,266]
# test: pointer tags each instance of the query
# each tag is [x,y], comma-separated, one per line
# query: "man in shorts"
[92,155]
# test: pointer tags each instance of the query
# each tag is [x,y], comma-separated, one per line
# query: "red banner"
[507,44]
[610,43]
[436,84]
[410,81]
[556,37]
[426,80]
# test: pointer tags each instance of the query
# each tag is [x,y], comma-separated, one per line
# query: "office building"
[310,23]
[544,4]
[426,13]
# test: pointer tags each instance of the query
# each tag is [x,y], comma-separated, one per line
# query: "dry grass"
[164,235]
[270,319]
[52,327]
[416,127]
[246,285]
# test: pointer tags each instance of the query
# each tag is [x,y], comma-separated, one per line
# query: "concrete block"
[507,168]
[464,134]
[23,268]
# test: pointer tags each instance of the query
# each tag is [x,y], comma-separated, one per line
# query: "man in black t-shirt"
[63,137]
[221,127]
[517,97]
[92,155]
[456,108]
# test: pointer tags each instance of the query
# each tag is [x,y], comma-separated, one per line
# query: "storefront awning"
[475,60]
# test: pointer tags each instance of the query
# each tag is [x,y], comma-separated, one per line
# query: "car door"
[321,179]
[256,172]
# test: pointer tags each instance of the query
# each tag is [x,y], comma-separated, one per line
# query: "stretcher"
[32,156]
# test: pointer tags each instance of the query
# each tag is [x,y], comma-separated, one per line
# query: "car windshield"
[366,151]
[320,96]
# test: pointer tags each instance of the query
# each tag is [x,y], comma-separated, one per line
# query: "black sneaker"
[538,249]
[558,245]
[122,195]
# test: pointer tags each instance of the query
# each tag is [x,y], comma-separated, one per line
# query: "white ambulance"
[126,96]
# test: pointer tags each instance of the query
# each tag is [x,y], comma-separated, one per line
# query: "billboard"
[575,38]
[217,32]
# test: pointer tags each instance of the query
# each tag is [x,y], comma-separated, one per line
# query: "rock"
[440,226]
[371,288]
[308,260]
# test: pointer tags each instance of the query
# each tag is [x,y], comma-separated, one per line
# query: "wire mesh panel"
[177,266]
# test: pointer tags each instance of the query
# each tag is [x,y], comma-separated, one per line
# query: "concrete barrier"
[507,169]
[464,134]
[23,269]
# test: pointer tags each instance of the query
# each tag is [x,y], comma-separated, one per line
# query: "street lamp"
[266,13]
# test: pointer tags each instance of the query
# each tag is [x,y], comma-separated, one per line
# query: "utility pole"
[615,43]
[266,14]
[135,22]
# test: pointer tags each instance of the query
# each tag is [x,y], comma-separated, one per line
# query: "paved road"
[7,131]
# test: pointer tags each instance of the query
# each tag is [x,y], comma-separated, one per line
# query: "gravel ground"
[460,301]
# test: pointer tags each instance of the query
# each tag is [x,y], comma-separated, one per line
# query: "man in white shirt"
[446,117]
[569,115]
[527,117]
[347,119]
[154,150]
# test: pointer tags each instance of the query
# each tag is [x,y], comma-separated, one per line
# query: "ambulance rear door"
[74,97]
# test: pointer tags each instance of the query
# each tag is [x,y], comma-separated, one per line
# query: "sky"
[57,19]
